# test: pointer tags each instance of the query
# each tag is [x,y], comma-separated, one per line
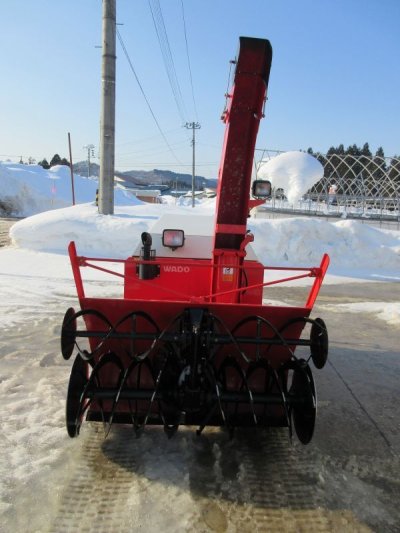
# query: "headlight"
[261,189]
[173,238]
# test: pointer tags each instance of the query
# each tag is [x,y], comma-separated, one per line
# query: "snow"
[31,189]
[36,267]
[37,287]
[38,255]
[389,312]
[294,172]
[356,250]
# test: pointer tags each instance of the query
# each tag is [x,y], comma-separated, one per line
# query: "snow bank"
[294,172]
[352,246]
[113,236]
[103,235]
[30,189]
[356,249]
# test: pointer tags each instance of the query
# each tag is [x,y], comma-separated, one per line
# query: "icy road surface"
[346,480]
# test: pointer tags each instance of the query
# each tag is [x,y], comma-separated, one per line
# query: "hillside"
[143,178]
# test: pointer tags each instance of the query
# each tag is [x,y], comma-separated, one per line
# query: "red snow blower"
[191,342]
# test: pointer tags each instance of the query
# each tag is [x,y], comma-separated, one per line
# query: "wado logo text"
[177,269]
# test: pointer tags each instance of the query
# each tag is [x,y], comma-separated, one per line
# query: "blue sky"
[334,77]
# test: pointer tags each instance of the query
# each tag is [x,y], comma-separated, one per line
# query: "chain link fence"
[352,186]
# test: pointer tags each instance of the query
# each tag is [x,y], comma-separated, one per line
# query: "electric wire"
[159,164]
[228,85]
[155,149]
[159,25]
[188,61]
[144,96]
[146,139]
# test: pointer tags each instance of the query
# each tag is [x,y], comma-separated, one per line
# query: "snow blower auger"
[190,341]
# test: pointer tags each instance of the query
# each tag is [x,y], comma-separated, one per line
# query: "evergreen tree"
[319,186]
[56,160]
[368,166]
[365,151]
[65,162]
[356,171]
[44,163]
[353,170]
[336,168]
[331,151]
[394,177]
[379,171]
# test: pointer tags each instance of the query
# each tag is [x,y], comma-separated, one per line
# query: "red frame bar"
[317,272]
[75,263]
[318,281]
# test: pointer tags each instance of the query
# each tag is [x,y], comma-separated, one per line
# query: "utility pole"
[107,127]
[90,152]
[71,167]
[193,126]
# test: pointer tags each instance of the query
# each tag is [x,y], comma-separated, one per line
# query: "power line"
[163,41]
[188,60]
[144,95]
[146,139]
[158,164]
[147,150]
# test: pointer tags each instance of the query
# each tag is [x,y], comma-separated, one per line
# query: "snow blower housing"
[191,342]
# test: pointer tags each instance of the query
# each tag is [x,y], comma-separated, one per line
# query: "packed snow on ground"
[37,287]
[389,312]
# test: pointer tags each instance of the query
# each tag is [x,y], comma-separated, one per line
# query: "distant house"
[198,194]
[151,196]
[210,192]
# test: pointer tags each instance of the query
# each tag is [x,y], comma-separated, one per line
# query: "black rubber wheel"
[304,408]
[68,333]
[319,343]
[75,404]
